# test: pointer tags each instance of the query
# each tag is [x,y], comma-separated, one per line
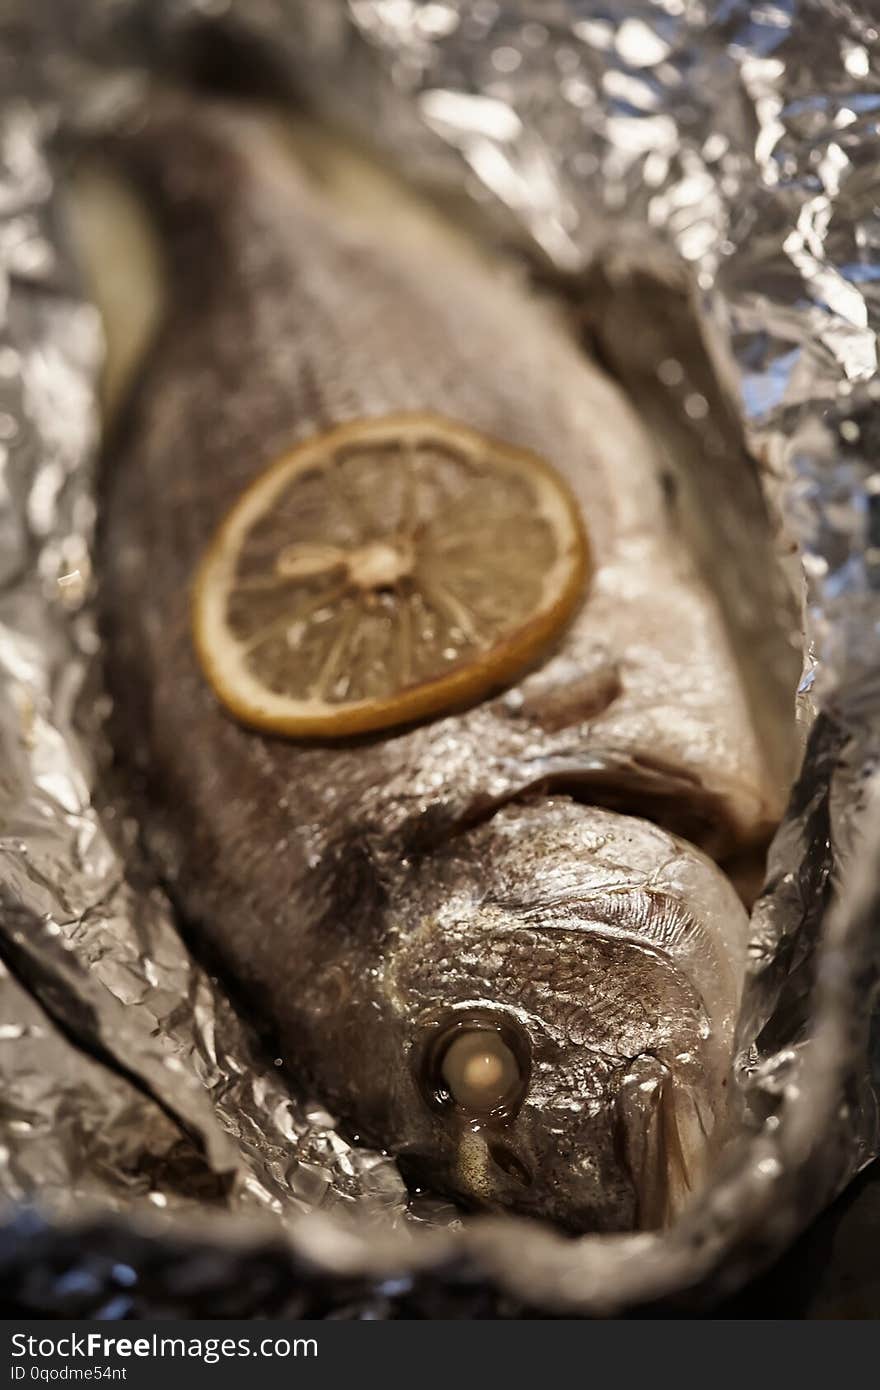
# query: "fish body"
[513,871]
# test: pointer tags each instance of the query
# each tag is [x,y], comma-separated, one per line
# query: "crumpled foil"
[137,1104]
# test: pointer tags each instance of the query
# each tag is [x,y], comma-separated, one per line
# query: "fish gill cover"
[734,139]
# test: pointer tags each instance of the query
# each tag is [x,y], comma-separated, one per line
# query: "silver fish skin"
[367,896]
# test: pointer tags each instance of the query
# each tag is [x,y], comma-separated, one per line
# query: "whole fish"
[480,940]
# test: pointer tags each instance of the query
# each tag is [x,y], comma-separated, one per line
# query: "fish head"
[552,1051]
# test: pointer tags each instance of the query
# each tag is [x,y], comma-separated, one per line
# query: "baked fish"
[481,940]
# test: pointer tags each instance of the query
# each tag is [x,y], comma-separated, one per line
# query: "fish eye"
[480,1070]
[478,1065]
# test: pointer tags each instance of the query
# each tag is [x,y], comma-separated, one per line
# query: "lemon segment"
[388,570]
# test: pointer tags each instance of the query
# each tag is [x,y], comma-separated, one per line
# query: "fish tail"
[191,163]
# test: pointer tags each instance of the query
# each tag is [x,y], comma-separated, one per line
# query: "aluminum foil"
[733,138]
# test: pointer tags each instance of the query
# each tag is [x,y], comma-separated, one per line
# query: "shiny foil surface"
[171,1167]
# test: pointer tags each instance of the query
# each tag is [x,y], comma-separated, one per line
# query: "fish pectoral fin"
[662,1139]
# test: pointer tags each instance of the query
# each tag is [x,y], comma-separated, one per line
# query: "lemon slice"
[392,569]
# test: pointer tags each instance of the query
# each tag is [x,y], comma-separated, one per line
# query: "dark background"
[833,1271]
